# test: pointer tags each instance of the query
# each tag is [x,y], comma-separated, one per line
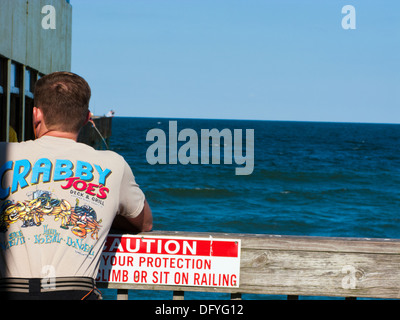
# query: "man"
[59,199]
[13,137]
[110,114]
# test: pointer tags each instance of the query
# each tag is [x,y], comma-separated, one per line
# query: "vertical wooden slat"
[8,99]
[236,296]
[178,295]
[22,99]
[122,294]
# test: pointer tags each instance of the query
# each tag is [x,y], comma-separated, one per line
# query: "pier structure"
[36,37]
[35,40]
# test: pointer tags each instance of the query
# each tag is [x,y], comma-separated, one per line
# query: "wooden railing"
[301,266]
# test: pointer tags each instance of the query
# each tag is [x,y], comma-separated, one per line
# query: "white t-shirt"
[58,199]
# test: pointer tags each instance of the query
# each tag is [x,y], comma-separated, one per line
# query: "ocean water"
[309,178]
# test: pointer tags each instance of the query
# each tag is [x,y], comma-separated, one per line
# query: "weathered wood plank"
[308,266]
[320,273]
[266,241]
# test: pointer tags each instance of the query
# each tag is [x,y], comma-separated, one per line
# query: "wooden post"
[236,296]
[122,294]
[178,295]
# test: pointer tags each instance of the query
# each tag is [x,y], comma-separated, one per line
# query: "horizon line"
[272,120]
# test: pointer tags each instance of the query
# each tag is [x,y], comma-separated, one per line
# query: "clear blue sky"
[240,59]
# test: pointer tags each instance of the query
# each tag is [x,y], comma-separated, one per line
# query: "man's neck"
[60,134]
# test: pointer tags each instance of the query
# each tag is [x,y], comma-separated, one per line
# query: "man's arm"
[142,223]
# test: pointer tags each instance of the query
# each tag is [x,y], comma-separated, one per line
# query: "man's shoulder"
[60,148]
[16,145]
[108,154]
[101,155]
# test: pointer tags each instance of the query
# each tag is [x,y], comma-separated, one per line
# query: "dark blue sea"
[309,178]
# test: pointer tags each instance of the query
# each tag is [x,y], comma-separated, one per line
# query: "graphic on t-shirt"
[78,176]
[81,219]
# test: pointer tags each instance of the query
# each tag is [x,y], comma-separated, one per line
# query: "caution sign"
[158,260]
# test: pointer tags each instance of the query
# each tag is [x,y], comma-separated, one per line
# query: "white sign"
[158,260]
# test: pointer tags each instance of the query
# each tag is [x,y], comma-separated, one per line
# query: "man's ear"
[88,117]
[37,116]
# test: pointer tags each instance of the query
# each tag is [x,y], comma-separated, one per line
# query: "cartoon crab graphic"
[10,214]
[83,218]
[60,209]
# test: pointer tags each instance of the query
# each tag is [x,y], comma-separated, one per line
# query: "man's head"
[63,99]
